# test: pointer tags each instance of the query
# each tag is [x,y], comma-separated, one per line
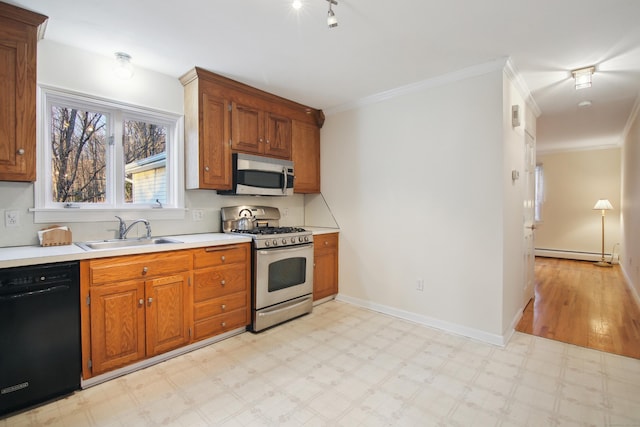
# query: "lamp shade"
[603,204]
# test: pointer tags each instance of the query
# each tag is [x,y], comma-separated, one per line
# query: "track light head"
[332,21]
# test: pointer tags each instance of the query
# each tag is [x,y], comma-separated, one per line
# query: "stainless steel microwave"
[260,176]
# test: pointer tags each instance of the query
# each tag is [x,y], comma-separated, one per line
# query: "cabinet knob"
[206,168]
[21,151]
[267,141]
[223,282]
[326,243]
[140,302]
[223,258]
[145,270]
[150,300]
[223,324]
[223,306]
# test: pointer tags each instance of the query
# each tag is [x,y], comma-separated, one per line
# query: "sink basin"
[124,243]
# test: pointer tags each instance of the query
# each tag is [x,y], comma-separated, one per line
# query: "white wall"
[416,183]
[631,201]
[574,181]
[77,70]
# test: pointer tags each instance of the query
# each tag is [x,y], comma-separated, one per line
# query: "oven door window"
[287,273]
[264,179]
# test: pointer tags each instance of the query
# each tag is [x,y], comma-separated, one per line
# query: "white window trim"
[175,180]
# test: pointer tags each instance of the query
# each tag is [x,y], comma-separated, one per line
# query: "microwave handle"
[284,187]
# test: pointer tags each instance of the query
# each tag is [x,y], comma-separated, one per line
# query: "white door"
[529,217]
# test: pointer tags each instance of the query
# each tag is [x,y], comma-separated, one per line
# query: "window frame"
[47,211]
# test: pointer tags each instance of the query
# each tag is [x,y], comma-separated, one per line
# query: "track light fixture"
[332,21]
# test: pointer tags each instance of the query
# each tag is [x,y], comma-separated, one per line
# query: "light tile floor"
[347,366]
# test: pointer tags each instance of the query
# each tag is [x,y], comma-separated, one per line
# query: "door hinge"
[88,300]
[230,142]
[112,140]
[229,107]
[90,364]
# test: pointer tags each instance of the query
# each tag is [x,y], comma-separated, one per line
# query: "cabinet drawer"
[220,255]
[221,323]
[218,306]
[328,241]
[216,282]
[131,267]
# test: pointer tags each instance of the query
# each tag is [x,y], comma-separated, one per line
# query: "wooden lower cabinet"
[325,262]
[221,291]
[138,306]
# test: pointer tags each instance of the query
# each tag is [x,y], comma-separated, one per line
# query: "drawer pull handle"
[145,270]
[223,306]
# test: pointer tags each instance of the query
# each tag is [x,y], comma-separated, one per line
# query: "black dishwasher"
[39,334]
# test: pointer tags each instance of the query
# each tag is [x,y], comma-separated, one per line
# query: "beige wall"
[574,181]
[631,202]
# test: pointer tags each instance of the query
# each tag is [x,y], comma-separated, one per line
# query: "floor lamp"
[603,205]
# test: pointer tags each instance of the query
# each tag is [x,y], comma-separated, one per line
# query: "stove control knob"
[284,241]
[267,243]
[306,238]
[275,242]
[300,239]
[293,240]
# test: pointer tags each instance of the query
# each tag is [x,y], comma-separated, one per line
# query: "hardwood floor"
[578,303]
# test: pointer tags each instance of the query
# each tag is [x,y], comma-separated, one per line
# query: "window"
[100,156]
[539,192]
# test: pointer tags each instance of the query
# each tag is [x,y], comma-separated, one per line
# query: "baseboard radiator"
[580,256]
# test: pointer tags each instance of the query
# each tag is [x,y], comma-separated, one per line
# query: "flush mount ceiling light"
[123,68]
[582,77]
[332,21]
[297,4]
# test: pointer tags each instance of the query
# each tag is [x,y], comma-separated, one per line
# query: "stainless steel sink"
[124,243]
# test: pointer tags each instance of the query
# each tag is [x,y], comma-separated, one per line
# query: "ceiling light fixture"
[332,21]
[297,4]
[583,77]
[123,68]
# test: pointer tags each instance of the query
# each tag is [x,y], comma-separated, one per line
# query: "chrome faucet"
[123,229]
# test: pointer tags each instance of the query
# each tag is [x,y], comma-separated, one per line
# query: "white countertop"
[16,256]
[31,255]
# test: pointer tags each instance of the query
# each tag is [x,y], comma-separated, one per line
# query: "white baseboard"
[580,256]
[478,335]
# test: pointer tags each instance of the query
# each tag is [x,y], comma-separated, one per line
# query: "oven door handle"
[286,249]
[285,308]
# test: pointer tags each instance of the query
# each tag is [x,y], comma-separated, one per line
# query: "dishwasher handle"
[50,290]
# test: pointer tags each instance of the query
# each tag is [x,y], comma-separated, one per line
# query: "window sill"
[43,216]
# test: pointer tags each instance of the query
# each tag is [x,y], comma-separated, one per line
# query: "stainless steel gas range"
[282,287]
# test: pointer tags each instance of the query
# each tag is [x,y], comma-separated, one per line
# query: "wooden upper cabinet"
[306,157]
[18,40]
[257,131]
[207,137]
[224,116]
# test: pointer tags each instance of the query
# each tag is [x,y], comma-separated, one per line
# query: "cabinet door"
[166,302]
[17,113]
[247,129]
[117,325]
[325,274]
[306,157]
[278,136]
[215,151]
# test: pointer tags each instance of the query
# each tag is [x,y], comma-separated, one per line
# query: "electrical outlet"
[11,219]
[197,214]
[420,285]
